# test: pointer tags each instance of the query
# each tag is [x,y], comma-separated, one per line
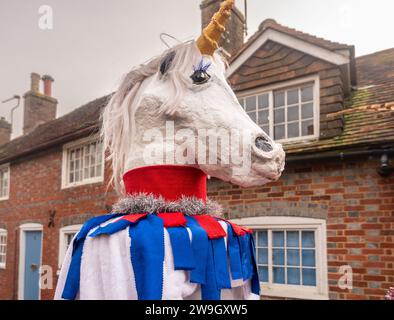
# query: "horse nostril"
[263,144]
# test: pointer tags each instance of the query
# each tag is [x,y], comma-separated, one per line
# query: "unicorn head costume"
[173,122]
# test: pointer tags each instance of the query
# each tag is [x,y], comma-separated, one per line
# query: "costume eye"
[200,77]
[200,74]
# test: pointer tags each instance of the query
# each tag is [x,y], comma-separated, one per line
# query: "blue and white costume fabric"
[154,257]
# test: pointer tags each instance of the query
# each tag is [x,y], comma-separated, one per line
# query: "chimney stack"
[233,37]
[47,79]
[5,131]
[38,107]
[35,82]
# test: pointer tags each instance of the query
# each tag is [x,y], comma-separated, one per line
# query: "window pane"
[279,99]
[262,240]
[308,239]
[263,117]
[263,274]
[263,101]
[86,173]
[252,116]
[292,96]
[307,94]
[293,276]
[293,130]
[292,239]
[266,129]
[309,277]
[279,115]
[278,238]
[279,275]
[262,256]
[278,257]
[292,113]
[308,258]
[307,128]
[279,132]
[307,111]
[241,102]
[293,257]
[250,103]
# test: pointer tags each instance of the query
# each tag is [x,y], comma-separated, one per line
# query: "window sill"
[300,140]
[2,266]
[83,183]
[292,293]
[4,198]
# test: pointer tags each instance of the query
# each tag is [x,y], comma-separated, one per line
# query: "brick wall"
[34,191]
[274,63]
[357,203]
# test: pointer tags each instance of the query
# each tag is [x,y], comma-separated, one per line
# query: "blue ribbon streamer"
[234,253]
[111,228]
[210,290]
[147,257]
[200,251]
[255,278]
[181,248]
[71,286]
[221,264]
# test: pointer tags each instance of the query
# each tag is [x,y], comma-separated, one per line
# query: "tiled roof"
[80,122]
[369,111]
[272,24]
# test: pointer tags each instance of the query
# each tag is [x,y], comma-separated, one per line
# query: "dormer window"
[286,112]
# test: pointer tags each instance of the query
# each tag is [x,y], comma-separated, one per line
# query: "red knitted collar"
[171,182]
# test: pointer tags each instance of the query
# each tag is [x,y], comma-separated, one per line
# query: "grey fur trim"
[148,203]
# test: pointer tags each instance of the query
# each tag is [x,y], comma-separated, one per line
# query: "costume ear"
[166,63]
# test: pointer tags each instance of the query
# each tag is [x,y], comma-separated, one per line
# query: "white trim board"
[3,232]
[62,245]
[8,167]
[320,292]
[291,42]
[22,239]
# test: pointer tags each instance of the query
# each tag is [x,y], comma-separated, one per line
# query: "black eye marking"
[166,63]
[200,77]
[200,74]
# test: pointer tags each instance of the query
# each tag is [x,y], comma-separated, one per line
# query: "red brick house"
[324,230]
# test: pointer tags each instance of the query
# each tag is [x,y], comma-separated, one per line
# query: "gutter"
[384,169]
[340,155]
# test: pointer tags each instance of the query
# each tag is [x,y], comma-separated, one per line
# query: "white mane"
[118,119]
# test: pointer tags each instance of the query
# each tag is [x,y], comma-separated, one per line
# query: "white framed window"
[82,162]
[66,235]
[286,112]
[291,256]
[4,181]
[3,248]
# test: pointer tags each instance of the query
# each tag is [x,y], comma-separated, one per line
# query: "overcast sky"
[94,42]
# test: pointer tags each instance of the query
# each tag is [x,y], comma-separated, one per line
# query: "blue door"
[32,265]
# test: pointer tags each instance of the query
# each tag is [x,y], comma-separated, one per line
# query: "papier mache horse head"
[179,109]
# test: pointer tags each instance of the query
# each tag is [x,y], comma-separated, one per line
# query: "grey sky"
[94,42]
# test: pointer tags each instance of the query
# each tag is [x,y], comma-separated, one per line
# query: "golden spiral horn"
[208,41]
